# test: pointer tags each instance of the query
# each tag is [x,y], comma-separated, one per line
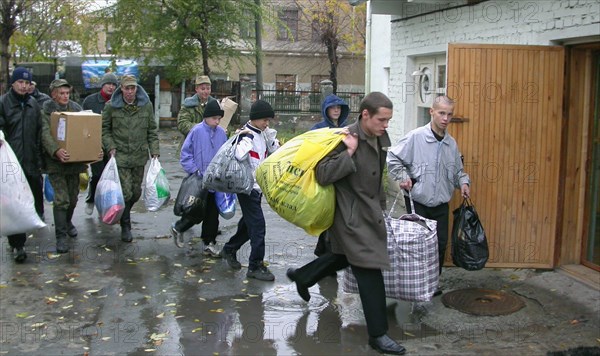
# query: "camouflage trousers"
[66,189]
[131,183]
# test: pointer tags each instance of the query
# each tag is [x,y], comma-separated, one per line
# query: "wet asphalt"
[106,297]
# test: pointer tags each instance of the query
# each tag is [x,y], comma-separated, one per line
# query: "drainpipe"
[368,51]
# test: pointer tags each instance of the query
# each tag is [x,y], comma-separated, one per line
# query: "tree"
[336,25]
[9,12]
[182,33]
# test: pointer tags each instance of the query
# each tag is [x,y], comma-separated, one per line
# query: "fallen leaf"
[71,275]
[574,321]
[161,336]
[220,310]
[91,291]
[240,300]
[196,330]
[22,315]
[37,325]
[50,281]
[409,334]
[149,350]
[3,286]
[177,265]
[170,305]
[106,338]
[161,315]
[50,300]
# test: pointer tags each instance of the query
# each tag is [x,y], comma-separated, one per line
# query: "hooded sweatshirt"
[331,100]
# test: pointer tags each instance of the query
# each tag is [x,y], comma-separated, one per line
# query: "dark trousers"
[250,227]
[97,169]
[370,287]
[210,223]
[36,183]
[440,214]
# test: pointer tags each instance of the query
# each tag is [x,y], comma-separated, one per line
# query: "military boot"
[126,224]
[71,229]
[60,230]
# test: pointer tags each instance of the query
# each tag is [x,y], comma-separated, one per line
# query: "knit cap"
[20,73]
[109,78]
[213,108]
[261,110]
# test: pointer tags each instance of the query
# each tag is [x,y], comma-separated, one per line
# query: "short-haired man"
[20,122]
[358,235]
[63,175]
[130,134]
[192,111]
[96,102]
[40,97]
[427,162]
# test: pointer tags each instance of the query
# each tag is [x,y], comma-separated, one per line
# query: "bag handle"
[412,204]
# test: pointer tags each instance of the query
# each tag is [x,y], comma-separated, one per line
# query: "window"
[316,31]
[289,17]
[315,81]
[285,82]
[248,29]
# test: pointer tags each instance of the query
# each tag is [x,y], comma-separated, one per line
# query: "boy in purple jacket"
[200,146]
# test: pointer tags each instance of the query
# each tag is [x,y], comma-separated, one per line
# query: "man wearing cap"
[64,176]
[257,141]
[20,122]
[193,107]
[36,94]
[95,102]
[130,134]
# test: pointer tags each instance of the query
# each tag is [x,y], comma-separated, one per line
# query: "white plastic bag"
[17,206]
[109,194]
[156,187]
[226,174]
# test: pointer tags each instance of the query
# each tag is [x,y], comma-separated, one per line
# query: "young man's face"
[203,91]
[31,88]
[441,114]
[334,112]
[129,93]
[375,125]
[21,86]
[61,95]
[212,121]
[261,124]
[109,88]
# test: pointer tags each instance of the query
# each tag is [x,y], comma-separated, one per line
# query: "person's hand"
[406,185]
[112,152]
[351,141]
[465,191]
[62,155]
[242,132]
[270,134]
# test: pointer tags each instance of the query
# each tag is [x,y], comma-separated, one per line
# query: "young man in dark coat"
[20,122]
[358,235]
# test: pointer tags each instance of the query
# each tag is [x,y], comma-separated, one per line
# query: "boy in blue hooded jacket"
[335,112]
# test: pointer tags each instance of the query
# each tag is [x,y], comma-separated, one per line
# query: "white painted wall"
[531,22]
[380,53]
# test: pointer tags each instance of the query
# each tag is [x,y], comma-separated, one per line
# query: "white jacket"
[255,147]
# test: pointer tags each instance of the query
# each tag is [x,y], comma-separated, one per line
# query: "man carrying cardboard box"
[129,133]
[64,176]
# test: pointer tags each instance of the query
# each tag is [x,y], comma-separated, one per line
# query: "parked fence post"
[245,98]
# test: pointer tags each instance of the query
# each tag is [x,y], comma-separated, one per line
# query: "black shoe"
[21,256]
[61,245]
[231,259]
[385,345]
[437,292]
[301,288]
[126,234]
[261,273]
[72,232]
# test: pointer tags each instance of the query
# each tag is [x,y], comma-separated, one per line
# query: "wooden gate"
[507,122]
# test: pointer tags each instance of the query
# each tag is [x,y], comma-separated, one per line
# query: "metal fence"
[305,101]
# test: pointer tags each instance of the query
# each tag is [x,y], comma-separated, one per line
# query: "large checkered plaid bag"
[413,251]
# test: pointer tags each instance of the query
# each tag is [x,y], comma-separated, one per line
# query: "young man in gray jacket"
[427,162]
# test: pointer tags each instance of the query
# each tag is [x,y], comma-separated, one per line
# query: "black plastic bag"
[191,198]
[469,244]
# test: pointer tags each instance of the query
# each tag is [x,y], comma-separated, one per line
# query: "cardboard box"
[80,133]
[229,106]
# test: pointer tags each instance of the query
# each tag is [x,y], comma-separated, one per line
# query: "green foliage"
[183,34]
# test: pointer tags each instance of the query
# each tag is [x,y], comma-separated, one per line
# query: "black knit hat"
[213,108]
[20,73]
[261,110]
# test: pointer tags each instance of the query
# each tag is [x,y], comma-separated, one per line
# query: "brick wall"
[491,22]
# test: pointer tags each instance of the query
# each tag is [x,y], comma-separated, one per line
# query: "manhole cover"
[478,301]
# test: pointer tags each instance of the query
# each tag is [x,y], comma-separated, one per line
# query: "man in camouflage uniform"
[193,107]
[64,176]
[129,133]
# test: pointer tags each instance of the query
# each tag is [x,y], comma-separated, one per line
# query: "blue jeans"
[250,227]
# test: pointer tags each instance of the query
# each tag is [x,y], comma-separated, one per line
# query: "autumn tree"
[182,33]
[338,26]
[9,23]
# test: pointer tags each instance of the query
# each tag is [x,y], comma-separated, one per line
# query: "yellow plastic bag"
[84,179]
[288,180]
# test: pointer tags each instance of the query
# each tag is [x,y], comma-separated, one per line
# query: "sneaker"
[231,259]
[261,273]
[177,236]
[89,208]
[211,249]
[21,256]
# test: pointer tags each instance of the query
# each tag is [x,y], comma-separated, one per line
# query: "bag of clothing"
[156,187]
[226,204]
[17,205]
[109,199]
[288,180]
[469,243]
[413,251]
[191,199]
[48,190]
[226,174]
